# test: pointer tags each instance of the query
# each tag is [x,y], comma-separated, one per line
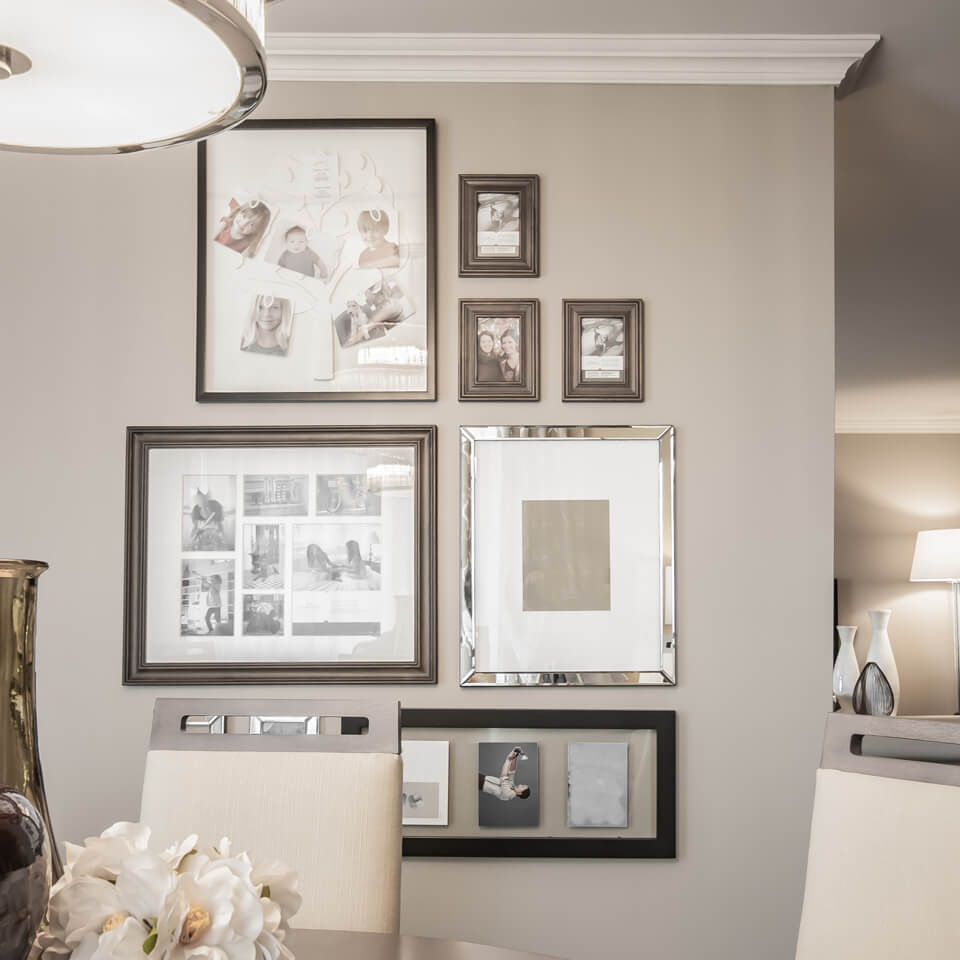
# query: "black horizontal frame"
[663,846]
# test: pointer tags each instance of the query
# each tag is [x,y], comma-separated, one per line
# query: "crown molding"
[899,425]
[777,59]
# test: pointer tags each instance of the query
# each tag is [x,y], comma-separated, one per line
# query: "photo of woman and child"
[243,227]
[384,305]
[269,326]
[498,350]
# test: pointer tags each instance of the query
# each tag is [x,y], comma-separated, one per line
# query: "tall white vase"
[846,670]
[874,694]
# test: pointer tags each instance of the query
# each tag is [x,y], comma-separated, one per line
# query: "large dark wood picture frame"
[495,317]
[337,508]
[424,247]
[617,376]
[521,259]
[663,845]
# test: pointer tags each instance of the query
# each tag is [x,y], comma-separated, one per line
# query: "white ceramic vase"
[846,670]
[879,696]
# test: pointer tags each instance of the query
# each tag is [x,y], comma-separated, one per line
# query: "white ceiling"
[898,144]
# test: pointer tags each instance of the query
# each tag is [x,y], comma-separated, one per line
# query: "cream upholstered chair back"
[883,871]
[276,777]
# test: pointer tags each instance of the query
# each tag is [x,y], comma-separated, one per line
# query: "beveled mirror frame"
[665,672]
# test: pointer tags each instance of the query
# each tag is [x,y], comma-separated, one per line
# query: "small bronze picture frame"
[603,350]
[499,226]
[499,349]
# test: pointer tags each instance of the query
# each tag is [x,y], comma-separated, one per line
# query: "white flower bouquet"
[118,901]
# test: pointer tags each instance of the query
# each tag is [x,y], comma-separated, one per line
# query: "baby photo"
[243,227]
[268,326]
[298,246]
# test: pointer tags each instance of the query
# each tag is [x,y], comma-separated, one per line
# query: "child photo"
[508,784]
[243,227]
[601,348]
[498,350]
[206,598]
[262,556]
[275,494]
[378,252]
[209,513]
[262,614]
[268,326]
[336,556]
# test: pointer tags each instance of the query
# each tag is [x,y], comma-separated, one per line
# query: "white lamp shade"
[937,555]
[115,76]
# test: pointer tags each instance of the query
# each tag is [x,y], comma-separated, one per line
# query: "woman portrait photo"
[268,326]
[243,227]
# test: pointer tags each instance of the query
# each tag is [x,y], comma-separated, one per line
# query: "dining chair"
[314,783]
[883,870]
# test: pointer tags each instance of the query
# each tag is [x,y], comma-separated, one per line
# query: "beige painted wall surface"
[889,486]
[715,205]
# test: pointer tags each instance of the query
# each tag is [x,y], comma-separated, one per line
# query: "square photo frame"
[317,251]
[499,226]
[499,350]
[567,553]
[602,350]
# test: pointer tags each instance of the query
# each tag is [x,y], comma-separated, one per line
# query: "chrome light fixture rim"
[239,37]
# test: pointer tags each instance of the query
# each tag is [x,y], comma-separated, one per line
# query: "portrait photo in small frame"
[499,226]
[603,350]
[499,350]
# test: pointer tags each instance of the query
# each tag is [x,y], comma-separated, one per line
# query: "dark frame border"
[430,394]
[527,264]
[529,313]
[661,847]
[142,440]
[574,387]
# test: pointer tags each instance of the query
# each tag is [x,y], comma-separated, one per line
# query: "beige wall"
[715,205]
[889,486]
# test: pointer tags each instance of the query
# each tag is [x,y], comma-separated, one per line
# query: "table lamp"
[937,557]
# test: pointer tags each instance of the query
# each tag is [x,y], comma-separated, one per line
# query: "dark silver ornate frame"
[628,388]
[662,846]
[529,312]
[527,263]
[430,174]
[137,669]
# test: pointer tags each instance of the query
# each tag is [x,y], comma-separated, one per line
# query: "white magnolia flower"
[102,856]
[143,885]
[275,881]
[82,906]
[122,942]
[213,912]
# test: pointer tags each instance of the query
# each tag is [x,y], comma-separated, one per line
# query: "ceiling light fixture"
[112,76]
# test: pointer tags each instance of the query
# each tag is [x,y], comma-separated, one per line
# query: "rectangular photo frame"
[499,225]
[280,555]
[650,736]
[500,349]
[567,533]
[602,350]
[317,254]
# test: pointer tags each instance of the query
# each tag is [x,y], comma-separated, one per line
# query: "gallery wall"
[714,205]
[890,486]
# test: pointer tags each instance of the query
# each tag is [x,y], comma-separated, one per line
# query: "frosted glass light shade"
[116,76]
[937,555]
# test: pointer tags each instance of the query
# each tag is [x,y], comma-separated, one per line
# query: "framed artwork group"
[308,554]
